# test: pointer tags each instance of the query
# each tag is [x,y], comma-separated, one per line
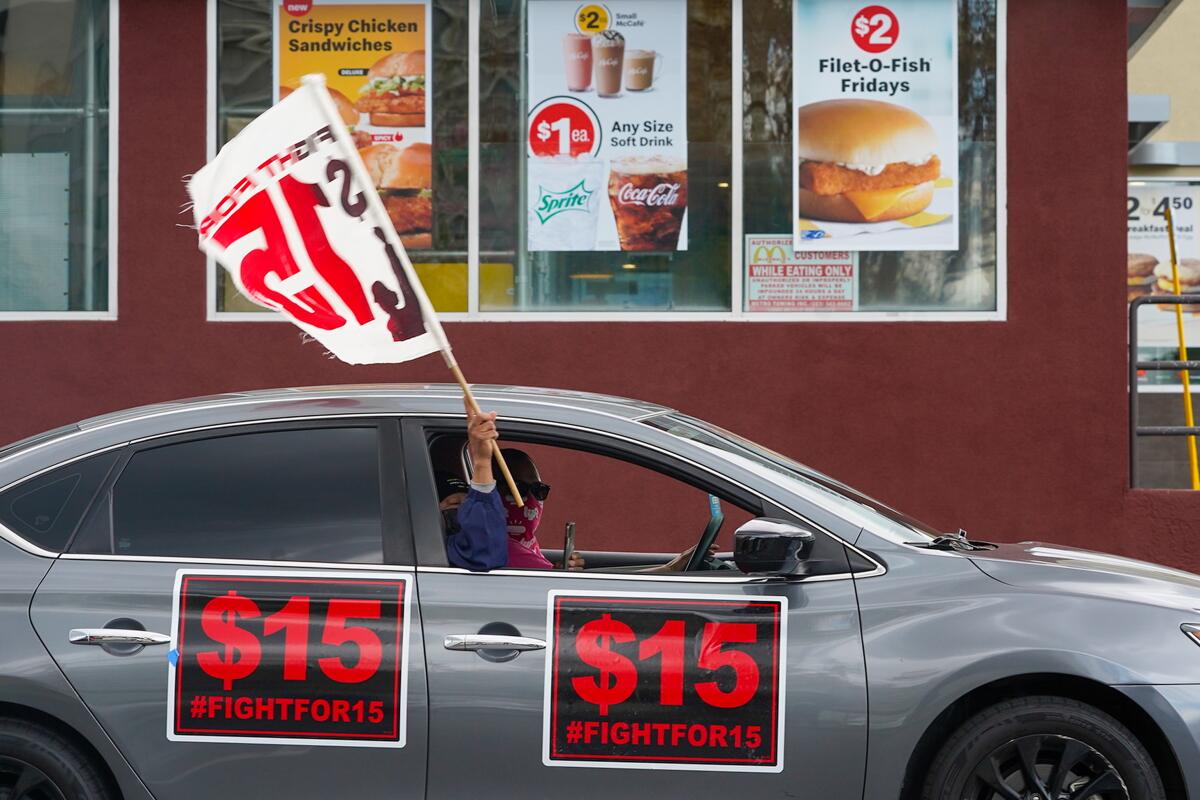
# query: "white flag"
[288,209]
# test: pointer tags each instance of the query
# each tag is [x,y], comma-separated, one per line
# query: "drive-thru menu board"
[607,126]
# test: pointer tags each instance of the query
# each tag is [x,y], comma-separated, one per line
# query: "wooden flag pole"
[1189,416]
[375,207]
[466,390]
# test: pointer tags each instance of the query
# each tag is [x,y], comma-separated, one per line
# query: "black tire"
[46,765]
[984,758]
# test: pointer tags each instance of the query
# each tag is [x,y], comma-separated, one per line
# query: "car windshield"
[752,455]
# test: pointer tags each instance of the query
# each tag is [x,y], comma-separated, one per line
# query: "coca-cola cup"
[577,61]
[648,197]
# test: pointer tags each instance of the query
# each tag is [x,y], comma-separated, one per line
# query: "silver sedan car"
[251,595]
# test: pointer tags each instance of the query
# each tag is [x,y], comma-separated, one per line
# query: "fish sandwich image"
[864,161]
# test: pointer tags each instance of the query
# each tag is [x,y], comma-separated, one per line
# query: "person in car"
[486,530]
[474,517]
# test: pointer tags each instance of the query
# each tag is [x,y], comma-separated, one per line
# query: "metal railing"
[1136,366]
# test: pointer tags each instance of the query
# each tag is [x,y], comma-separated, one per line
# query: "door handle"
[486,641]
[104,636]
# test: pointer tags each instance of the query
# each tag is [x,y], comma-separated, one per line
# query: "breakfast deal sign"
[607,126]
[875,139]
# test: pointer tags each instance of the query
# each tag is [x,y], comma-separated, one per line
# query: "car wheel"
[38,764]
[1043,748]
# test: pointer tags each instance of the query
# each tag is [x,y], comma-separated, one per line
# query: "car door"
[237,614]
[705,685]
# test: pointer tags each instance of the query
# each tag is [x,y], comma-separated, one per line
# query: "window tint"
[45,510]
[310,495]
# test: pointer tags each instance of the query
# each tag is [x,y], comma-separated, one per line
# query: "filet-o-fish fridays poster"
[875,139]
[607,160]
[374,56]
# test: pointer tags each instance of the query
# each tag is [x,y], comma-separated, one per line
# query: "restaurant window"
[55,117]
[857,278]
[625,171]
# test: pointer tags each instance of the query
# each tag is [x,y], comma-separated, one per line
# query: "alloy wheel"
[1045,767]
[20,780]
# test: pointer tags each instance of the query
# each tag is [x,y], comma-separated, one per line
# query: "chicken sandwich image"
[403,175]
[394,95]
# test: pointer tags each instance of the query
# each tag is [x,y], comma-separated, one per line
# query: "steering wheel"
[700,554]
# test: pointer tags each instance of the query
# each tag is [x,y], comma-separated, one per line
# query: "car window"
[45,510]
[293,495]
[625,515]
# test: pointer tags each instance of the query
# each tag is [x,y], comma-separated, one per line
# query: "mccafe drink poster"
[607,160]
[1148,266]
[875,134]
[375,59]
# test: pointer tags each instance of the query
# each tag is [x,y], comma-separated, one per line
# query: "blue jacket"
[481,541]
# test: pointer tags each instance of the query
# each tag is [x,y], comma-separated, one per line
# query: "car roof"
[406,398]
[318,401]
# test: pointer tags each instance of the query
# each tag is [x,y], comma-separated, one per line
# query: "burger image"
[394,95]
[1189,281]
[346,111]
[864,161]
[1139,274]
[403,174]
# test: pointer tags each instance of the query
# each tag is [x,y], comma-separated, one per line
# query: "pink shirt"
[524,553]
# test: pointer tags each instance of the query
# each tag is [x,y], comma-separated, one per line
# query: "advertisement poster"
[665,681]
[374,58]
[780,278]
[875,139]
[1148,269]
[299,658]
[607,161]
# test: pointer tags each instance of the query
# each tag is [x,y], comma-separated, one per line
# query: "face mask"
[450,520]
[522,523]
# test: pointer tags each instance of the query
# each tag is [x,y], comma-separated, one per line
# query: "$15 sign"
[241,651]
[618,674]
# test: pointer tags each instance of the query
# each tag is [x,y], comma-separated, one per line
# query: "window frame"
[396,544]
[109,315]
[737,312]
[426,521]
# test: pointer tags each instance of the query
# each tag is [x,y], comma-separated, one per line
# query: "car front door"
[706,685]
[236,613]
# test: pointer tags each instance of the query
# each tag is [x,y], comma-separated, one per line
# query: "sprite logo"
[551,204]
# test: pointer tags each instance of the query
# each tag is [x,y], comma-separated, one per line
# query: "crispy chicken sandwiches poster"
[374,59]
[875,139]
[607,161]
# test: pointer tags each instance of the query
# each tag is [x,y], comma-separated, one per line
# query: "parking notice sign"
[664,681]
[310,658]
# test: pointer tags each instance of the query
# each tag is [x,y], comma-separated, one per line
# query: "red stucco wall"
[996,427]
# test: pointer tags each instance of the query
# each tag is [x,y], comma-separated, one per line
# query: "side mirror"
[767,546]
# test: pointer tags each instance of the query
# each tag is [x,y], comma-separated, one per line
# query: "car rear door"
[702,685]
[237,612]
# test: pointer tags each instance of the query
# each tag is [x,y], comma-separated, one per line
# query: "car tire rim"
[1045,767]
[20,780]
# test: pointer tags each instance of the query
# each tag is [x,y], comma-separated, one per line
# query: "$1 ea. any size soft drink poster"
[607,160]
